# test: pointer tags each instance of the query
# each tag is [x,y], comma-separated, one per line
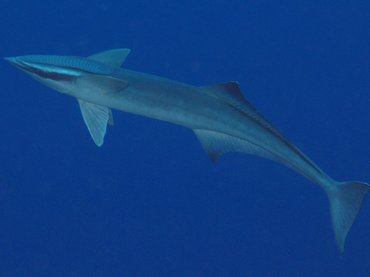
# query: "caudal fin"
[345,203]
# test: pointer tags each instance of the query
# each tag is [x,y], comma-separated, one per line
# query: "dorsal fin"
[229,92]
[114,57]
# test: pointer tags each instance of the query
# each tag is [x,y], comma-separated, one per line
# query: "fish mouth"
[19,63]
[13,60]
[36,69]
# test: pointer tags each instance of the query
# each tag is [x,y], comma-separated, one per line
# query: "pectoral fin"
[114,57]
[96,118]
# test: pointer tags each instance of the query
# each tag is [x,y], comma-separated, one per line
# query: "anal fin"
[216,144]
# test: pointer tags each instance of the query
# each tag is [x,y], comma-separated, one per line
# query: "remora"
[220,116]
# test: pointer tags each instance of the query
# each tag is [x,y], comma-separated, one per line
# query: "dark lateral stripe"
[52,75]
[268,127]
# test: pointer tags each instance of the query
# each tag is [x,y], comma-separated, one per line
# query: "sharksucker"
[220,116]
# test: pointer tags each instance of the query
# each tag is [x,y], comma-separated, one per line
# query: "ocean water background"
[149,202]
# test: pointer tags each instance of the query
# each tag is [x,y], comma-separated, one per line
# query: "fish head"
[60,72]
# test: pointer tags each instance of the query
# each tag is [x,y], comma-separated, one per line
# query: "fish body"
[220,116]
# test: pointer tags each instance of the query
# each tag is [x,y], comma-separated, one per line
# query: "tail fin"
[345,203]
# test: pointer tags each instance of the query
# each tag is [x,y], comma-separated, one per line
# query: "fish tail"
[345,203]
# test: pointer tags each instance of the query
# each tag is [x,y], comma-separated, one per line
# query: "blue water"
[149,202]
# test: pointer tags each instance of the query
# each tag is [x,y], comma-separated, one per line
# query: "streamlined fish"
[220,116]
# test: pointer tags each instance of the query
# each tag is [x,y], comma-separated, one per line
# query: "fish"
[220,116]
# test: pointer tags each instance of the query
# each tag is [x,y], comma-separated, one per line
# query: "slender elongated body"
[222,119]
